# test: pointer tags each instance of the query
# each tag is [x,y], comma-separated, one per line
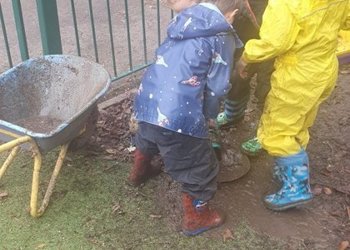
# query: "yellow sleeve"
[278,32]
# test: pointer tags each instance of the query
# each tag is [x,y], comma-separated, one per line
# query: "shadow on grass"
[93,208]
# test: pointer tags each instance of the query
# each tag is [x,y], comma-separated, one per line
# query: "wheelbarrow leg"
[13,146]
[51,185]
[35,182]
[8,160]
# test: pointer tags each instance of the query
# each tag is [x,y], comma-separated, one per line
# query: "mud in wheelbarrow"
[47,102]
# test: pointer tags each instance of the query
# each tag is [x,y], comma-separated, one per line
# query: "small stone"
[227,235]
[344,245]
[155,216]
[3,194]
[330,168]
[317,191]
[327,191]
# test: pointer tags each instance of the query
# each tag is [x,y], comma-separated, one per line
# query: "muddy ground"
[322,224]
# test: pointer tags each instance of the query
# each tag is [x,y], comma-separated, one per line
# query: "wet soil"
[321,224]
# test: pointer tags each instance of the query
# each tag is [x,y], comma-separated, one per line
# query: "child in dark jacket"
[247,25]
[178,96]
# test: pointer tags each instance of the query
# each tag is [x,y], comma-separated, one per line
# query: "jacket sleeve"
[218,83]
[278,33]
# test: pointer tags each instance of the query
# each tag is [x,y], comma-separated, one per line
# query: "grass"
[93,208]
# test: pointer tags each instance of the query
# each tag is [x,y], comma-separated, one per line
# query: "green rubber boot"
[222,121]
[251,147]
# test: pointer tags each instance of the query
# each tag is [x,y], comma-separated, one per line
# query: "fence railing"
[120,34]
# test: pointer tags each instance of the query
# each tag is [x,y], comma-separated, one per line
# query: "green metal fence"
[120,34]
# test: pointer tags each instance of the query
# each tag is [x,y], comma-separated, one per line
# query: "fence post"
[49,26]
[21,33]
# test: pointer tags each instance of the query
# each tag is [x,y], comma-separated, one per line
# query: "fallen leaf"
[115,208]
[345,189]
[326,173]
[131,149]
[344,71]
[3,194]
[327,191]
[343,245]
[227,235]
[336,214]
[156,216]
[40,246]
[317,191]
[68,159]
[111,151]
[108,157]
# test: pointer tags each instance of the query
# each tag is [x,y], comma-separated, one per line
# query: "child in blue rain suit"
[178,95]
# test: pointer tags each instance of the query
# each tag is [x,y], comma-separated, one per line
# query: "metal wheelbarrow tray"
[44,103]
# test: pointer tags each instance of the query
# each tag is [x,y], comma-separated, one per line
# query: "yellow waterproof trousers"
[290,110]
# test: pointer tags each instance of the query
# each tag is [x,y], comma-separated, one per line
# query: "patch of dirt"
[322,224]
[113,138]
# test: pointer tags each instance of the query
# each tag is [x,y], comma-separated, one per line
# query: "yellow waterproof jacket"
[287,28]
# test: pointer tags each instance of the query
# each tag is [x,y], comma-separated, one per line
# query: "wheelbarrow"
[46,102]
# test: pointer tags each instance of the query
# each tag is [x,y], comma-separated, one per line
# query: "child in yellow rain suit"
[302,36]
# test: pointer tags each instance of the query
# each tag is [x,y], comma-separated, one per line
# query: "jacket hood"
[201,20]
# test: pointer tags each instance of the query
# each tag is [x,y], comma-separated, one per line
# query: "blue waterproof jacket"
[186,83]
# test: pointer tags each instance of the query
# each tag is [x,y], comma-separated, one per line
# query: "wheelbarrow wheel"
[90,128]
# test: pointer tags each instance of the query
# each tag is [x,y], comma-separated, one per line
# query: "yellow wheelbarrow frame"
[13,146]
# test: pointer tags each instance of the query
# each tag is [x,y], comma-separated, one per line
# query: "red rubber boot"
[142,170]
[198,217]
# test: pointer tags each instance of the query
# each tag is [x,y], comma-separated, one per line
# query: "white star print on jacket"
[162,119]
[160,61]
[187,23]
[218,59]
